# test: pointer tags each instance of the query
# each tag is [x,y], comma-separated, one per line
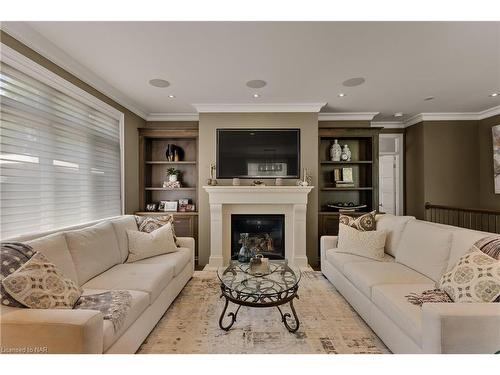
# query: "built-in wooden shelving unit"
[153,165]
[363,143]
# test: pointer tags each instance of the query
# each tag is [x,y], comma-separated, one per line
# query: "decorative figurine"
[244,255]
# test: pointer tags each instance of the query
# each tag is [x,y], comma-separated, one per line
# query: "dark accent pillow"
[490,246]
[148,224]
[12,256]
[432,295]
[362,223]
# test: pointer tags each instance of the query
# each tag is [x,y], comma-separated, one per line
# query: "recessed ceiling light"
[356,81]
[492,95]
[398,114]
[341,95]
[256,96]
[171,96]
[430,98]
[256,83]
[157,82]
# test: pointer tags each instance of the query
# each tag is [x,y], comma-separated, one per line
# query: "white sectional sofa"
[417,254]
[94,256]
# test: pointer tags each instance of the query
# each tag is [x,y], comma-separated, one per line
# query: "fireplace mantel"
[288,200]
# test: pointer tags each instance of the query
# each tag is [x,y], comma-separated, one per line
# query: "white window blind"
[59,158]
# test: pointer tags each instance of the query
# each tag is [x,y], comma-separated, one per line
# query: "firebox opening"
[266,234]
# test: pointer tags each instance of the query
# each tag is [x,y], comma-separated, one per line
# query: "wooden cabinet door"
[184,226]
[329,225]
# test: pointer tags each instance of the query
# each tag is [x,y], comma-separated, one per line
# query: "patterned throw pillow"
[432,295]
[148,224]
[475,278]
[363,223]
[12,255]
[38,284]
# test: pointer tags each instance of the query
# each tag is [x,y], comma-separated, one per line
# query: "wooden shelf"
[347,162]
[167,189]
[346,188]
[171,162]
[187,213]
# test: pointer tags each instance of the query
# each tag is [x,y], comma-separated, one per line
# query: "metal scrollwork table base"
[274,290]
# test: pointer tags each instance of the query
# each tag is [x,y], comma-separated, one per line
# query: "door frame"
[399,168]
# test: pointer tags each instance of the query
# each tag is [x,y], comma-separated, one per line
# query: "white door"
[388,183]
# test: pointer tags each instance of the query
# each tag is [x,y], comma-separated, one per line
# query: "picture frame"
[168,206]
[495,133]
[190,208]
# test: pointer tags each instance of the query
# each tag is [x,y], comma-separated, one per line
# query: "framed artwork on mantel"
[496,157]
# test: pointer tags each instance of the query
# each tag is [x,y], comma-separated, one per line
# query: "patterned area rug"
[328,324]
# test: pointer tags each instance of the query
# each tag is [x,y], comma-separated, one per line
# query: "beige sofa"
[94,256]
[417,254]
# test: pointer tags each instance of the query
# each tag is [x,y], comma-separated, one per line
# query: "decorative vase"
[244,254]
[335,150]
[236,181]
[172,177]
[345,154]
[279,181]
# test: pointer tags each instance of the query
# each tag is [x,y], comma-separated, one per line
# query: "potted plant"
[173,174]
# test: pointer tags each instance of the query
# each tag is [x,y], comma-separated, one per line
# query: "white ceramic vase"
[335,151]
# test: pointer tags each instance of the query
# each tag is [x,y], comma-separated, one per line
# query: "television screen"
[258,153]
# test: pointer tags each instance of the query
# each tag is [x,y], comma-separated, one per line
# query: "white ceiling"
[303,62]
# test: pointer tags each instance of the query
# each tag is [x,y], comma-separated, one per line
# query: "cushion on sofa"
[362,223]
[39,284]
[391,300]
[143,245]
[369,244]
[339,260]
[461,243]
[93,249]
[394,226]
[139,303]
[55,248]
[149,278]
[365,275]
[121,225]
[425,247]
[177,259]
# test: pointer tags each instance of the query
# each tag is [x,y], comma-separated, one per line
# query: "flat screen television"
[258,153]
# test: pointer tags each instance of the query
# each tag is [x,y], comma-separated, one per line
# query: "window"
[60,155]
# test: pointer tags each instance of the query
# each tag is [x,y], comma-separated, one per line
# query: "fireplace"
[266,234]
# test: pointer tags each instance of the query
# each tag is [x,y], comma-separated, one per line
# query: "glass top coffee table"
[273,288]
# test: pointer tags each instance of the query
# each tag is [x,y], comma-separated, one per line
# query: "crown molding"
[173,117]
[489,112]
[257,107]
[347,116]
[37,42]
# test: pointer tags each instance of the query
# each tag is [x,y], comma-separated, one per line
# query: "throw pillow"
[368,244]
[363,223]
[432,295]
[474,278]
[12,255]
[148,224]
[38,284]
[145,245]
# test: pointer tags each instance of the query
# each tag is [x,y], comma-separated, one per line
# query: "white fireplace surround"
[290,201]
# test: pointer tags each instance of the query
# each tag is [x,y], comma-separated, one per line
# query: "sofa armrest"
[189,243]
[50,331]
[460,327]
[326,243]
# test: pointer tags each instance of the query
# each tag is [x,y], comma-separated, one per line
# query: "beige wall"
[487,197]
[308,125]
[132,121]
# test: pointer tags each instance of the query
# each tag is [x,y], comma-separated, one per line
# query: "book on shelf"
[344,184]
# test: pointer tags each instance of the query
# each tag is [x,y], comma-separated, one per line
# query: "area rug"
[328,324]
